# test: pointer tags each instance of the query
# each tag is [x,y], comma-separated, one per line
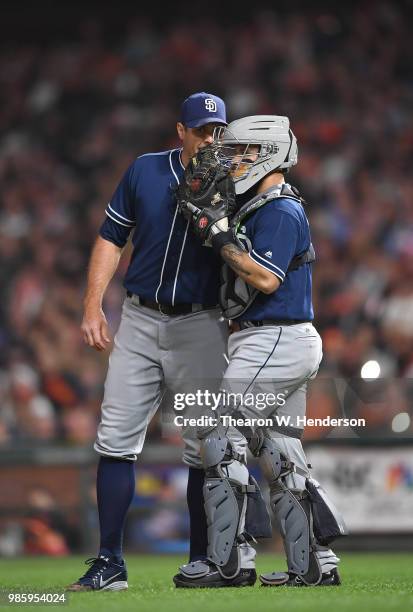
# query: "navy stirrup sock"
[198,525]
[115,487]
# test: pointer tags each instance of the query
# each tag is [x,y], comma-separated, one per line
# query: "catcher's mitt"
[206,193]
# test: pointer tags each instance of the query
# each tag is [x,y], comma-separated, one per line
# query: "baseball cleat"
[213,579]
[103,575]
[331,578]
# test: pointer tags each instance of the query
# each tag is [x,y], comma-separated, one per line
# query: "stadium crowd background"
[73,115]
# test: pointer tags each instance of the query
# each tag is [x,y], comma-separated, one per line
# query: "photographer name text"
[298,422]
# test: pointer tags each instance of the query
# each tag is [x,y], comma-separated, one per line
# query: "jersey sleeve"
[120,212]
[113,232]
[274,241]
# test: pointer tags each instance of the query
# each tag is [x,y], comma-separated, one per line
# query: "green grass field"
[371,582]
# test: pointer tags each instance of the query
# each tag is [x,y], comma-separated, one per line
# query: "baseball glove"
[206,193]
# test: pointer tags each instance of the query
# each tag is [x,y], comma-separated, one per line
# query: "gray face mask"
[254,147]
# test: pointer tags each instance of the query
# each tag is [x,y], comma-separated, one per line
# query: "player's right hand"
[95,329]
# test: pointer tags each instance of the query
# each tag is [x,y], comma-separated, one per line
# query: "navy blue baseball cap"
[202,108]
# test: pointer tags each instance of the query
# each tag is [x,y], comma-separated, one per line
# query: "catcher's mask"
[253,147]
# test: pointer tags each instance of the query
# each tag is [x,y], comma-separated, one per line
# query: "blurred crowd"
[74,114]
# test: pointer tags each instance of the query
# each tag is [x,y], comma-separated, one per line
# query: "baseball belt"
[168,309]
[239,325]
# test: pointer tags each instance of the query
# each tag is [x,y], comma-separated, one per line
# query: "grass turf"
[371,582]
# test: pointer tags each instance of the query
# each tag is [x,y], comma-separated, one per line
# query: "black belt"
[247,324]
[167,309]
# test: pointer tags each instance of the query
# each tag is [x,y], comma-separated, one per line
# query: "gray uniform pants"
[277,361]
[153,352]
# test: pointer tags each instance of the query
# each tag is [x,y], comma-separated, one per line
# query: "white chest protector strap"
[236,296]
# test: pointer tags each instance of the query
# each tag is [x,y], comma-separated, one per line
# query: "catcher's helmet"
[255,146]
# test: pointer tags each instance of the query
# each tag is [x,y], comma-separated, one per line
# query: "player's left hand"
[206,194]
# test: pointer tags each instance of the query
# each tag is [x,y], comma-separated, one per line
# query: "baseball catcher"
[265,243]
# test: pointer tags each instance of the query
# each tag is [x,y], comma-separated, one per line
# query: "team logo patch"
[268,254]
[210,105]
[203,222]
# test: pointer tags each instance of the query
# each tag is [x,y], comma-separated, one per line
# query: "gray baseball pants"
[278,361]
[153,352]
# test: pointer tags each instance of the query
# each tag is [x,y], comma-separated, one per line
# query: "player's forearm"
[103,263]
[248,270]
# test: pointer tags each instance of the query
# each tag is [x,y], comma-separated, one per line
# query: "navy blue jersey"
[279,231]
[168,263]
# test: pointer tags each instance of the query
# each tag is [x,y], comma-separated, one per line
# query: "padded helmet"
[254,147]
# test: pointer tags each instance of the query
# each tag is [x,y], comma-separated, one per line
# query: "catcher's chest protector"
[236,296]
